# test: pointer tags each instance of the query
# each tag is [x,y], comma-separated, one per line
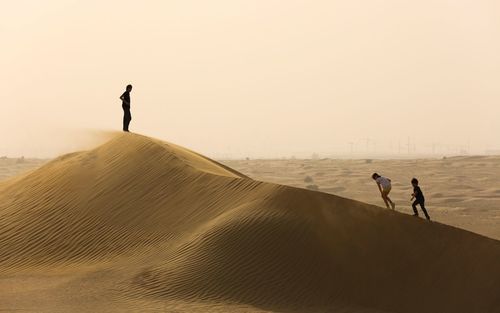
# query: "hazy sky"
[252,78]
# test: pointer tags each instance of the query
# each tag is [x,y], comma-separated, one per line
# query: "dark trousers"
[422,206]
[127,117]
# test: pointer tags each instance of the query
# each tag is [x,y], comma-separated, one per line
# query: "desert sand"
[141,225]
[460,191]
[14,166]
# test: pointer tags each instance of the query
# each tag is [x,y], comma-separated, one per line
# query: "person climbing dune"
[384,186]
[418,195]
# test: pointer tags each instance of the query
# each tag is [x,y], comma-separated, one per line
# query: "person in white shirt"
[384,186]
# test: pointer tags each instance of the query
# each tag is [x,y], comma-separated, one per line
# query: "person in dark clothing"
[127,117]
[419,199]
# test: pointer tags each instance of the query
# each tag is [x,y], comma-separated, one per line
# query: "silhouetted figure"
[419,199]
[384,186]
[127,117]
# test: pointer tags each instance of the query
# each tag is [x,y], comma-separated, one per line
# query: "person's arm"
[417,193]
[122,97]
[379,187]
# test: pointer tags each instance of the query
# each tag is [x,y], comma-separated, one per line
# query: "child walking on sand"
[384,186]
[419,199]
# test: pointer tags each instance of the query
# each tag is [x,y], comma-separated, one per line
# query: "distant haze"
[260,78]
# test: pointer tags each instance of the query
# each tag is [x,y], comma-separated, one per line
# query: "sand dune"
[459,191]
[139,225]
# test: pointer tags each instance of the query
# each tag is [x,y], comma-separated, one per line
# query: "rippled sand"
[460,191]
[140,225]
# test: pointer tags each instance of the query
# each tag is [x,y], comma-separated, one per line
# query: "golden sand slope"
[459,191]
[140,225]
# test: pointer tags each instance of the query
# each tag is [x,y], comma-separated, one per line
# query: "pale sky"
[257,78]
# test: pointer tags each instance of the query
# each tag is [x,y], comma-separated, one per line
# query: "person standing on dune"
[384,186]
[127,117]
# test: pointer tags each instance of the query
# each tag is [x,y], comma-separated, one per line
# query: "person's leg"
[422,206]
[414,206]
[126,120]
[387,201]
[129,118]
[393,205]
[384,197]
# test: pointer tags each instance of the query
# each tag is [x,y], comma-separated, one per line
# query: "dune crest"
[138,224]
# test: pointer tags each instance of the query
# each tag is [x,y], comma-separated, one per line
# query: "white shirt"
[384,182]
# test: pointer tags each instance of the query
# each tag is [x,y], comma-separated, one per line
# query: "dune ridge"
[138,224]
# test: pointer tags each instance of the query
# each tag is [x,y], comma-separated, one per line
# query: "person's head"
[375,175]
[414,182]
[129,88]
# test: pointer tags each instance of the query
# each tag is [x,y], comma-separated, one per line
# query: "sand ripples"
[150,226]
